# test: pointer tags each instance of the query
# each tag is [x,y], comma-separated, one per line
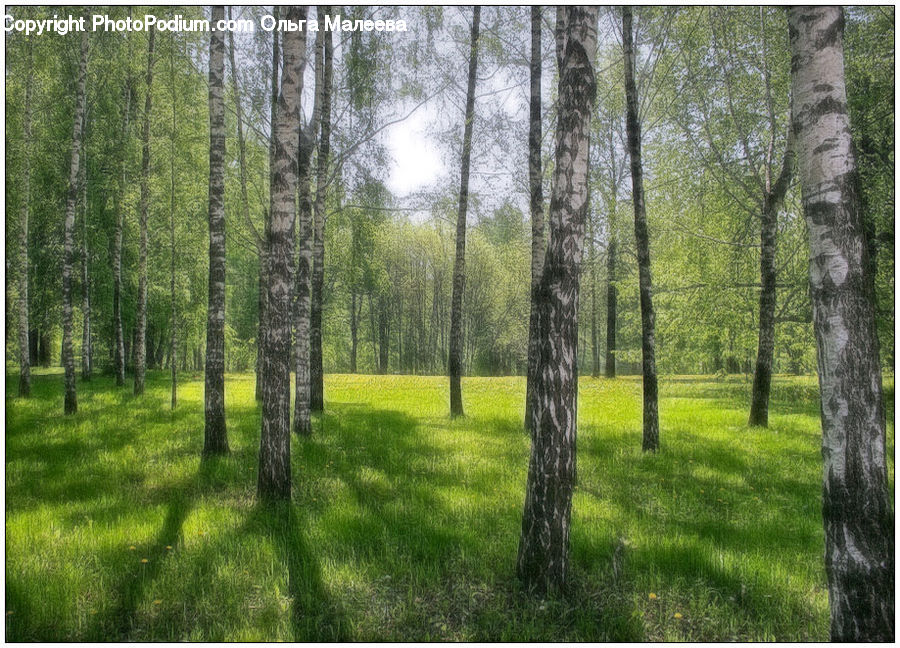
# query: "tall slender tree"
[86,334]
[24,347]
[305,243]
[119,332]
[543,557]
[612,294]
[642,241]
[774,191]
[316,387]
[535,182]
[262,298]
[274,478]
[859,522]
[68,356]
[459,263]
[762,374]
[173,137]
[140,337]
[592,261]
[215,436]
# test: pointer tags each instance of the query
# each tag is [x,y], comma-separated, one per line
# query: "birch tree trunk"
[119,355]
[215,438]
[543,557]
[86,341]
[316,387]
[173,343]
[68,358]
[24,345]
[642,241]
[859,522]
[535,181]
[762,375]
[595,346]
[459,264]
[354,326]
[612,294]
[262,300]
[140,339]
[274,479]
[302,422]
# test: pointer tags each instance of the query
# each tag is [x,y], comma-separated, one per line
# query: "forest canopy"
[663,236]
[389,245]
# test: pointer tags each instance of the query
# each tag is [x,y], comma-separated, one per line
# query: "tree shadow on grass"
[146,561]
[314,615]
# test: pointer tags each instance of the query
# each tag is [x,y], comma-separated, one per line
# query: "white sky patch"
[415,157]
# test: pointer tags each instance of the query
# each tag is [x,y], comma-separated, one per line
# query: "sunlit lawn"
[404,524]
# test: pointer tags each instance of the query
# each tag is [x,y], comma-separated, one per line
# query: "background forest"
[389,257]
[268,250]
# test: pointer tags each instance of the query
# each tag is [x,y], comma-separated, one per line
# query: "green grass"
[404,524]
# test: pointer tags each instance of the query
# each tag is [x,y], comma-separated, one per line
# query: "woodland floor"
[404,524]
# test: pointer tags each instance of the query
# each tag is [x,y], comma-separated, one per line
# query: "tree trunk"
[595,345]
[215,439]
[374,334]
[24,343]
[535,181]
[173,342]
[459,263]
[119,332]
[302,423]
[642,241]
[542,563]
[303,286]
[612,294]
[68,358]
[859,522]
[274,479]
[384,337]
[317,393]
[86,341]
[762,375]
[262,299]
[44,348]
[140,363]
[354,326]
[245,203]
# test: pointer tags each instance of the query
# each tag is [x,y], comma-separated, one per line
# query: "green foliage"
[869,69]
[707,129]
[404,524]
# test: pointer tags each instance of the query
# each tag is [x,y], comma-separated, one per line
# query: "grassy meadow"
[404,524]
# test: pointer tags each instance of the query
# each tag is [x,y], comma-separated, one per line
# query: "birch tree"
[543,557]
[173,137]
[68,357]
[215,438]
[317,390]
[24,347]
[859,522]
[535,180]
[305,243]
[642,240]
[140,355]
[274,477]
[262,297]
[86,333]
[459,264]
[119,333]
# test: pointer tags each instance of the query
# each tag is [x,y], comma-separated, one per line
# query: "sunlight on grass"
[404,524]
